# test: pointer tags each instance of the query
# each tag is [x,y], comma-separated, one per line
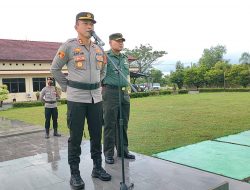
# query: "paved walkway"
[10,128]
[30,162]
[6,106]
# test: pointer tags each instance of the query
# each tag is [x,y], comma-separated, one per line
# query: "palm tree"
[245,58]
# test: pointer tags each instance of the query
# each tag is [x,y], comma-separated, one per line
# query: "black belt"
[114,87]
[50,102]
[84,86]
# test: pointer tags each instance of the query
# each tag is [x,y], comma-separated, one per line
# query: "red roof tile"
[22,50]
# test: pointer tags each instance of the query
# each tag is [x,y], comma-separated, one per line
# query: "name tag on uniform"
[79,58]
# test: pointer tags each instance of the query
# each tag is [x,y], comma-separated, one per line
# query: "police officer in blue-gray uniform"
[86,66]
[49,96]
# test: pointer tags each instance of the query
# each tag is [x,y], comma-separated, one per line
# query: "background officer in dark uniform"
[111,90]
[48,97]
[86,68]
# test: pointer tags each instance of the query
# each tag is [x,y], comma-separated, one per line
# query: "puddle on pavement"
[12,123]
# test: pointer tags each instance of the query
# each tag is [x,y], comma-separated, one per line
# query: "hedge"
[156,93]
[224,90]
[27,104]
[132,95]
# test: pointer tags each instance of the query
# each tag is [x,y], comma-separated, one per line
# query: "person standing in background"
[48,97]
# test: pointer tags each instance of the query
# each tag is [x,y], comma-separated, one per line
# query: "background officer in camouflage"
[111,90]
[86,68]
[49,96]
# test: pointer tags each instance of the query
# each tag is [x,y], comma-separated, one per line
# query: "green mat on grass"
[226,159]
[241,138]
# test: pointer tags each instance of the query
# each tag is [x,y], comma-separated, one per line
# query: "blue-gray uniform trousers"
[111,119]
[76,114]
[51,112]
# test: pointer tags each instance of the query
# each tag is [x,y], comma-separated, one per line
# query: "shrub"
[27,104]
[139,94]
[224,90]
[182,91]
[149,93]
[165,92]
[237,90]
[154,93]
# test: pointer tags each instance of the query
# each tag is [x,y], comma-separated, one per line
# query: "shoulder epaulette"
[71,40]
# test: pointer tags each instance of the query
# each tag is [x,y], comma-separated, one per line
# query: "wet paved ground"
[29,145]
[6,106]
[30,162]
[10,128]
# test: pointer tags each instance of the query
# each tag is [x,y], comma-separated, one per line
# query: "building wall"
[21,65]
[28,71]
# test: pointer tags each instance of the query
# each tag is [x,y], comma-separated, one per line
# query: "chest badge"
[79,65]
[77,50]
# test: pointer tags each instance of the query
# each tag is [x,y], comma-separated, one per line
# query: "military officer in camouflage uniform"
[86,68]
[49,96]
[111,88]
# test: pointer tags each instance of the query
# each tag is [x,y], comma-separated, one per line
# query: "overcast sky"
[183,28]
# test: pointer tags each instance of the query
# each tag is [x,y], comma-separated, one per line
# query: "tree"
[156,75]
[211,56]
[177,77]
[245,58]
[222,65]
[145,57]
[3,94]
[216,75]
[165,81]
[194,76]
[244,78]
[239,75]
[179,66]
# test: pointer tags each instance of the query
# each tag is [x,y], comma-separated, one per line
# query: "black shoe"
[101,174]
[57,134]
[76,181]
[46,135]
[128,156]
[109,160]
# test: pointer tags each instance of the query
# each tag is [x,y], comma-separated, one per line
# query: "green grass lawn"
[166,122]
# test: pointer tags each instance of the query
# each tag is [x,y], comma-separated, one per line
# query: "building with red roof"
[25,65]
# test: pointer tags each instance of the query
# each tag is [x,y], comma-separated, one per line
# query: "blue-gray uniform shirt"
[48,96]
[85,66]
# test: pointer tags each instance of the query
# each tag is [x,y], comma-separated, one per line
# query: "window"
[38,84]
[15,84]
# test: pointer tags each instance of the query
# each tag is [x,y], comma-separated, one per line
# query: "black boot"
[46,133]
[56,134]
[99,172]
[76,181]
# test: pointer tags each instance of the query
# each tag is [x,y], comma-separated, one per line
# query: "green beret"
[116,36]
[85,16]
